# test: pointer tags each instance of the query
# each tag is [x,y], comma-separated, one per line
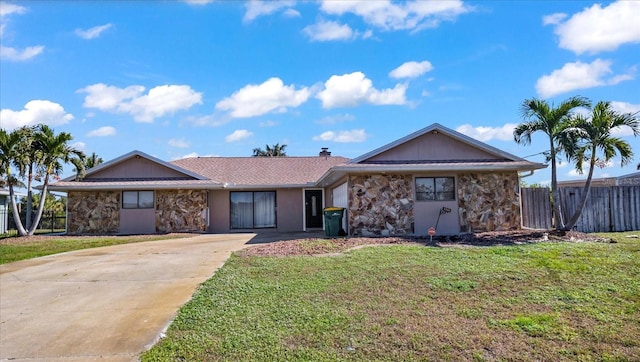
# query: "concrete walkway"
[108,303]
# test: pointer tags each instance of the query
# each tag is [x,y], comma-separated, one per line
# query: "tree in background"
[92,161]
[540,116]
[276,151]
[589,139]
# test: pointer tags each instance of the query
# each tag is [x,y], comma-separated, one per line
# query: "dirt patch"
[321,246]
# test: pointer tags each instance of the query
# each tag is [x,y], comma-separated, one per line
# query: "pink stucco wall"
[136,168]
[289,215]
[137,221]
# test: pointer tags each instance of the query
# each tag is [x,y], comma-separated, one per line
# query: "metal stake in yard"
[432,230]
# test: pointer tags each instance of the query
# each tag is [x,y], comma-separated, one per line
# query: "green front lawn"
[545,301]
[21,248]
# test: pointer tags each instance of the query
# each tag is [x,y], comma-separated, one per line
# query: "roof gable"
[137,165]
[434,143]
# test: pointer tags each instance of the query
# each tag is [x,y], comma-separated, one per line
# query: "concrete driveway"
[108,303]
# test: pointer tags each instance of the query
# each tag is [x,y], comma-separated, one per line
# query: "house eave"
[339,172]
[175,186]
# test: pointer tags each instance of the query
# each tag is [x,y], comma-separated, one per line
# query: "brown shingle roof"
[254,171]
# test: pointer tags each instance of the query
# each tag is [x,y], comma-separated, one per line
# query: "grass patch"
[42,246]
[543,301]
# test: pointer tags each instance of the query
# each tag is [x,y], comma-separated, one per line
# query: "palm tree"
[27,161]
[92,161]
[8,152]
[55,151]
[541,117]
[592,136]
[276,151]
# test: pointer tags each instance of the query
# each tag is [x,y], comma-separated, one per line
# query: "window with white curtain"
[253,209]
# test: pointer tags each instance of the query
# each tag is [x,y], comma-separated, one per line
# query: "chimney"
[324,152]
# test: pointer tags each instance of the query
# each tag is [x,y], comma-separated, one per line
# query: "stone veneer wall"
[93,212]
[380,205]
[180,210]
[488,201]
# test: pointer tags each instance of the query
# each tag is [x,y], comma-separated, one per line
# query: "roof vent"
[324,152]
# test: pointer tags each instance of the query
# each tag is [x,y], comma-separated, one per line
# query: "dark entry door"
[313,208]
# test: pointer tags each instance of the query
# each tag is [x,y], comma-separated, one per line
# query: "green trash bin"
[333,221]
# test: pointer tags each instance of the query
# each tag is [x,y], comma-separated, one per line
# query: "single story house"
[401,188]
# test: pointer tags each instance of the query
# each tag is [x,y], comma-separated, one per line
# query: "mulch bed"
[320,247]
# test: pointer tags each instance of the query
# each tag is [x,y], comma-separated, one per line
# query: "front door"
[313,208]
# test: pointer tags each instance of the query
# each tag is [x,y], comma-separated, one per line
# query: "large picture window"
[435,188]
[253,210]
[137,199]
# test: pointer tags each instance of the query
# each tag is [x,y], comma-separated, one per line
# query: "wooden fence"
[536,207]
[613,208]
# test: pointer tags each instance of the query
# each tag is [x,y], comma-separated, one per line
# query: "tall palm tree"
[540,116]
[27,161]
[276,151]
[55,150]
[8,152]
[592,136]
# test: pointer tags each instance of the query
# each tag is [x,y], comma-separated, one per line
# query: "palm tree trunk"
[43,196]
[29,213]
[16,214]
[559,225]
[585,194]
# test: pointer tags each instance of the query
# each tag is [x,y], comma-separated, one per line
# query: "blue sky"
[218,78]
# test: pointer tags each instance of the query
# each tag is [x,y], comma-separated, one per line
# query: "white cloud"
[181,143]
[328,31]
[598,29]
[238,135]
[484,134]
[92,33]
[349,90]
[384,14]
[8,9]
[255,100]
[411,69]
[553,19]
[578,75]
[16,55]
[292,13]
[102,132]
[12,53]
[35,112]
[158,102]
[79,145]
[256,8]
[624,107]
[356,135]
